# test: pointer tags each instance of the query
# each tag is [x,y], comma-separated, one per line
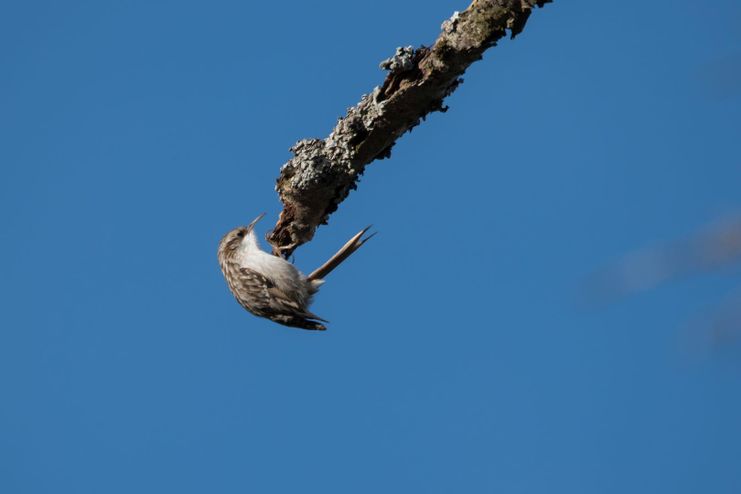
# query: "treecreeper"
[272,287]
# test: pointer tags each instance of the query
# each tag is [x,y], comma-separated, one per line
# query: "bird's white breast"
[278,270]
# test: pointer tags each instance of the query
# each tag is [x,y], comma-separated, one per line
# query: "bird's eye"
[240,234]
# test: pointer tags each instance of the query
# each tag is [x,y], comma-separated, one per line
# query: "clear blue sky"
[459,358]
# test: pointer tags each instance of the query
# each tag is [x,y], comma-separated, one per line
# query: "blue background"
[460,356]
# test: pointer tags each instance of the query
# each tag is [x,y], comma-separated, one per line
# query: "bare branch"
[321,174]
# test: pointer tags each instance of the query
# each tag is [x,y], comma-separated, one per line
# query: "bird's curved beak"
[254,222]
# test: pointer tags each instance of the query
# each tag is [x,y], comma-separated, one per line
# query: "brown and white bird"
[271,287]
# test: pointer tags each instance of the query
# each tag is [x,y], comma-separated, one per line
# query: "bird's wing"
[264,293]
[270,299]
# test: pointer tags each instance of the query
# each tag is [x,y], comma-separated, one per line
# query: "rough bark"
[321,173]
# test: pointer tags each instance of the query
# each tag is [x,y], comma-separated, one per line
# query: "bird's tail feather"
[305,320]
[346,251]
[309,320]
[309,324]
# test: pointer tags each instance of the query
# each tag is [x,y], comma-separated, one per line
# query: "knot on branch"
[311,185]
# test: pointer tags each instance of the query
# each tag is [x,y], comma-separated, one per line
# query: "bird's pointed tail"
[346,251]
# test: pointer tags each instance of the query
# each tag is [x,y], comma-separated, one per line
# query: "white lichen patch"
[402,60]
[448,26]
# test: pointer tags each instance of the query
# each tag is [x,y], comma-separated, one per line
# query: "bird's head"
[232,241]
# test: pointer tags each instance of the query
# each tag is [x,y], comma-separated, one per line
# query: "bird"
[271,287]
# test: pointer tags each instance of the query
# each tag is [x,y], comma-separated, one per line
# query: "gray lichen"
[402,61]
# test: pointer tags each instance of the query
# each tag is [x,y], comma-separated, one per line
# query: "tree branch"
[321,174]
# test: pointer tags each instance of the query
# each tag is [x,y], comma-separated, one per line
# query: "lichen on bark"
[321,173]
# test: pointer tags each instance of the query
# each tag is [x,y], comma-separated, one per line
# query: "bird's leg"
[278,251]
